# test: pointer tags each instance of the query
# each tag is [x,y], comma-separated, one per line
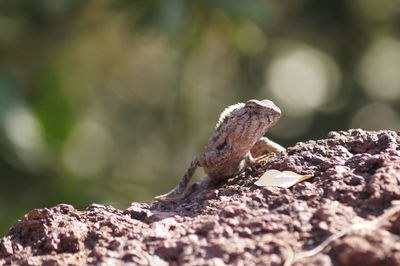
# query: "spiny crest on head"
[228,110]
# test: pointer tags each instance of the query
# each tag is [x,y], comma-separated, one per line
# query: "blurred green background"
[108,101]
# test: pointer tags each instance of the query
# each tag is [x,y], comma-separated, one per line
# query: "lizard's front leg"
[264,144]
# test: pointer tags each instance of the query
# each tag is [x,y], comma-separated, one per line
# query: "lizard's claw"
[265,157]
[163,197]
[170,195]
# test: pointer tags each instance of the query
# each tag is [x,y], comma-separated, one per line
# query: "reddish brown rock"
[356,178]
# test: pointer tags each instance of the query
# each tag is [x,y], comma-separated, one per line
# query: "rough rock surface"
[356,179]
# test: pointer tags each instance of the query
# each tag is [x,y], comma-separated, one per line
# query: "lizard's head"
[265,107]
[266,110]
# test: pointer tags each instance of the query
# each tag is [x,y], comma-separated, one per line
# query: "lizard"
[237,139]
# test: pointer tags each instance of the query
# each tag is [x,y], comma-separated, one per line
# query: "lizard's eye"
[251,106]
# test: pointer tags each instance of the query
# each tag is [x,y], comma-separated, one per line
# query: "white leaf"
[284,179]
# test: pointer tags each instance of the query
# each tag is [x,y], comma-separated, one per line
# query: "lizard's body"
[238,134]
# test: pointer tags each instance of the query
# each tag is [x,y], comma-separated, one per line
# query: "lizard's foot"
[172,194]
[265,157]
[264,144]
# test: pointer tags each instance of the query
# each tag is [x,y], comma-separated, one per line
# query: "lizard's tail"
[183,183]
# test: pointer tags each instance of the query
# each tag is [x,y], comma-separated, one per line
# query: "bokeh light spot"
[379,69]
[25,133]
[248,37]
[302,79]
[376,116]
[87,151]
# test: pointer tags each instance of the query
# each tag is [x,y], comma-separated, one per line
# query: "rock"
[356,177]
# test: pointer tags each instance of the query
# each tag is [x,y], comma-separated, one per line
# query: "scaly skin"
[238,134]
